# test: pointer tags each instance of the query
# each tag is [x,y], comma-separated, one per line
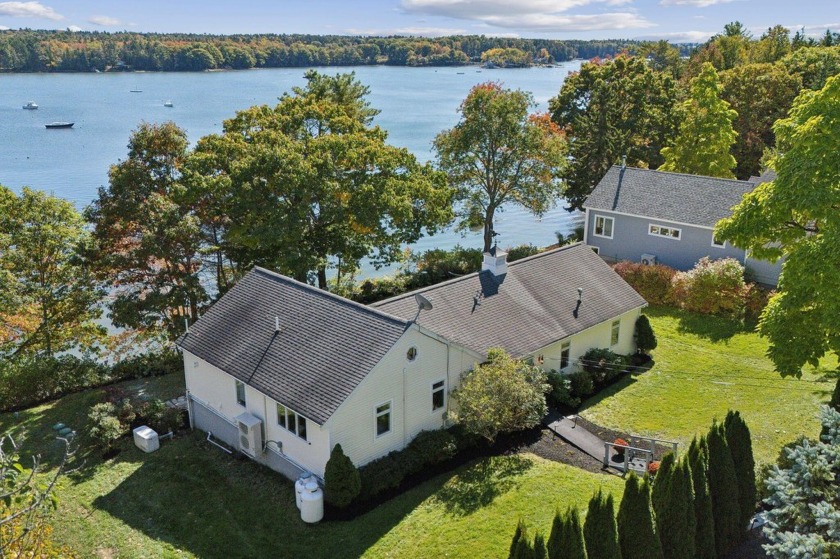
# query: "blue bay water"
[415,104]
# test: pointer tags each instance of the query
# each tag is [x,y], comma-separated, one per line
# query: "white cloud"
[410,31]
[28,9]
[812,30]
[74,28]
[104,21]
[537,15]
[695,3]
[678,36]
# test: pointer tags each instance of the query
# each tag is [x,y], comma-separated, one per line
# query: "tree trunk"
[322,277]
[488,228]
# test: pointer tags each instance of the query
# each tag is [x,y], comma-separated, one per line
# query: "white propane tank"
[301,482]
[311,503]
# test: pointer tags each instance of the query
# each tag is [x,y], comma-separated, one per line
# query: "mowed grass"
[705,366]
[191,500]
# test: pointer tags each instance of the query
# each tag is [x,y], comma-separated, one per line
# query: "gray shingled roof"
[531,307]
[325,347]
[691,199]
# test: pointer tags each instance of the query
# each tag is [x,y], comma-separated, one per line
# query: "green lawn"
[191,500]
[703,367]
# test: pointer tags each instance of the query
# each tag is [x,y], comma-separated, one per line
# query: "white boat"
[168,104]
[31,106]
[60,125]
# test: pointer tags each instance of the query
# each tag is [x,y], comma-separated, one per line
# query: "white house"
[284,371]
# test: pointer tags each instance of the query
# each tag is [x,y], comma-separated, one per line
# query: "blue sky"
[676,20]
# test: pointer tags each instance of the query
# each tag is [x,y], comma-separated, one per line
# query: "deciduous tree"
[497,154]
[501,395]
[608,109]
[706,134]
[797,216]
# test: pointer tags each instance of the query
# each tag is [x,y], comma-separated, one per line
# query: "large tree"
[312,185]
[501,395]
[498,154]
[761,94]
[148,238]
[797,216]
[48,300]
[612,108]
[706,133]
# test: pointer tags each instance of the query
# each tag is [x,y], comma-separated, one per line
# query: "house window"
[603,226]
[616,329]
[240,393]
[717,242]
[661,231]
[411,354]
[596,250]
[291,421]
[438,395]
[565,352]
[383,418]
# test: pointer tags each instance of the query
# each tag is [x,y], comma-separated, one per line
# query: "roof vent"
[276,323]
[495,260]
[624,161]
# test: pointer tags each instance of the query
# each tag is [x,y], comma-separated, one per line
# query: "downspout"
[403,408]
[448,386]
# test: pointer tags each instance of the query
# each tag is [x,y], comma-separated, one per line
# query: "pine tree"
[599,530]
[540,549]
[520,534]
[659,492]
[740,445]
[706,133]
[566,539]
[342,482]
[636,528]
[675,519]
[645,338]
[698,459]
[524,548]
[723,487]
[835,396]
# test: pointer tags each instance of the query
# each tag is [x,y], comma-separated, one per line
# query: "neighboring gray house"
[668,218]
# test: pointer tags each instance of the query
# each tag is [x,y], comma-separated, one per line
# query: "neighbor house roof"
[528,308]
[325,346]
[691,199]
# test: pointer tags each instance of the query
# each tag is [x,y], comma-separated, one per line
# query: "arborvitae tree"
[342,482]
[636,528]
[659,493]
[645,338]
[540,549]
[675,517]
[599,530]
[740,446]
[835,397]
[723,487]
[706,134]
[698,459]
[566,538]
[519,534]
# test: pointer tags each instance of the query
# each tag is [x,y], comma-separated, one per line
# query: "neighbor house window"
[438,395]
[718,243]
[595,250]
[565,352]
[240,393]
[661,231]
[291,421]
[383,418]
[411,354]
[603,226]
[616,330]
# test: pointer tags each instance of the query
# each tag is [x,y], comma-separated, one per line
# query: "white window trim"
[595,226]
[432,387]
[714,244]
[298,417]
[658,236]
[567,344]
[613,325]
[236,383]
[376,419]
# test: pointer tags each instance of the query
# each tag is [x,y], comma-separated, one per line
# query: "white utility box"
[146,439]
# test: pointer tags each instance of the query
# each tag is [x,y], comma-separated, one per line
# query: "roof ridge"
[338,298]
[739,181]
[470,275]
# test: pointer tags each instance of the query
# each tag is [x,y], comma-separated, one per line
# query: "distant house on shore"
[667,218]
[283,371]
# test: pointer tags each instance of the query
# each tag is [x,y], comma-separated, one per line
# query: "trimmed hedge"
[26,382]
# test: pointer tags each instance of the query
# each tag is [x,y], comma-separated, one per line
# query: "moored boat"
[168,104]
[31,106]
[60,125]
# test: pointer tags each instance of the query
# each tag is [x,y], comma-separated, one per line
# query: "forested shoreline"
[85,51]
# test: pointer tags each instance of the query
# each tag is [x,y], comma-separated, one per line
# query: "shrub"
[561,391]
[675,520]
[522,251]
[521,533]
[380,475]
[698,460]
[105,428]
[636,528]
[740,445]
[712,287]
[755,299]
[653,283]
[582,384]
[645,338]
[540,548]
[603,364]
[342,482]
[599,530]
[653,467]
[723,487]
[566,538]
[433,447]
[620,445]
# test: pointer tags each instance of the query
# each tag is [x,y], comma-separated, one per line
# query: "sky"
[675,20]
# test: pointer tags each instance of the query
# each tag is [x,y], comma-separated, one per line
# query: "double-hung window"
[615,331]
[438,395]
[604,226]
[383,418]
[565,352]
[291,421]
[240,392]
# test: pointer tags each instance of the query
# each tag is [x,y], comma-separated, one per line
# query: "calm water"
[415,105]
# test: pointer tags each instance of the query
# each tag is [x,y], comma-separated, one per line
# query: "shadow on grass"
[477,486]
[712,328]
